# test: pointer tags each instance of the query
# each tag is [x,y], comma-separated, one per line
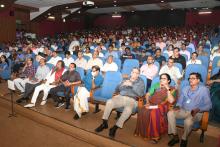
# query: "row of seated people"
[192,102]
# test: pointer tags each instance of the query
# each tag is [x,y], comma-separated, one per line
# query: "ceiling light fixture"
[132,11]
[67,7]
[162,1]
[79,12]
[116,15]
[115,1]
[88,3]
[204,12]
[49,14]
[51,17]
[2,5]
[115,5]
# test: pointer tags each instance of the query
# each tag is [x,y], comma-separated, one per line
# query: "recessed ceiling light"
[132,11]
[49,14]
[2,6]
[115,1]
[195,8]
[79,12]
[115,5]
[161,1]
[171,9]
[66,7]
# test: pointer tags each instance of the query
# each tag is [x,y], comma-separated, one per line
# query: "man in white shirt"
[53,60]
[68,60]
[172,70]
[94,61]
[80,61]
[184,51]
[109,65]
[194,59]
[73,44]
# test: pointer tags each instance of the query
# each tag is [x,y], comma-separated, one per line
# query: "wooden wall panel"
[7,26]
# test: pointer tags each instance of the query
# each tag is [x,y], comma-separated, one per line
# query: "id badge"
[188,101]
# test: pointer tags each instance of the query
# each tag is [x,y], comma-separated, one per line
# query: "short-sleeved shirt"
[71,76]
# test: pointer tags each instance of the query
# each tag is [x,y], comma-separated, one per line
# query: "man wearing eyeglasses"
[129,90]
[194,100]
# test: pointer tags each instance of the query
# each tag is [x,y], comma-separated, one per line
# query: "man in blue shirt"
[193,101]
[111,52]
[92,80]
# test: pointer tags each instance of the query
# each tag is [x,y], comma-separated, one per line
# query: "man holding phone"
[193,101]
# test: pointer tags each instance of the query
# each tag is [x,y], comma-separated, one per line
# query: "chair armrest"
[204,121]
[92,92]
[72,88]
[140,102]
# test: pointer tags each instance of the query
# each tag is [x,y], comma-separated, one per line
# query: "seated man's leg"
[81,102]
[130,103]
[116,102]
[54,91]
[18,84]
[46,92]
[29,88]
[188,124]
[172,116]
[67,96]
[35,95]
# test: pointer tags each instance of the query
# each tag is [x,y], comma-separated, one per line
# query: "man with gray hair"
[129,89]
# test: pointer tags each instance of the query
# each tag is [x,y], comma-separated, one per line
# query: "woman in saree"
[152,118]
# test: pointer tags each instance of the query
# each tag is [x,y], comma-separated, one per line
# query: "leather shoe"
[173,141]
[112,131]
[103,126]
[183,143]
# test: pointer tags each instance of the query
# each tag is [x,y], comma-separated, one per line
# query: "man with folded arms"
[129,90]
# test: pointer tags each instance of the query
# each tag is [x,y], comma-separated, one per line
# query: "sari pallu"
[152,123]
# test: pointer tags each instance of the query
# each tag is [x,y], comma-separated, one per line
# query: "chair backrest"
[166,56]
[179,66]
[204,60]
[118,62]
[50,65]
[157,80]
[61,55]
[86,57]
[215,71]
[128,65]
[111,81]
[74,57]
[196,68]
[81,71]
[215,62]
[186,83]
[189,49]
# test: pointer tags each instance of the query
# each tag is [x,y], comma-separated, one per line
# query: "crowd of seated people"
[50,65]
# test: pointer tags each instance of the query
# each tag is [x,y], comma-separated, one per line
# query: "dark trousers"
[61,88]
[29,89]
[148,84]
